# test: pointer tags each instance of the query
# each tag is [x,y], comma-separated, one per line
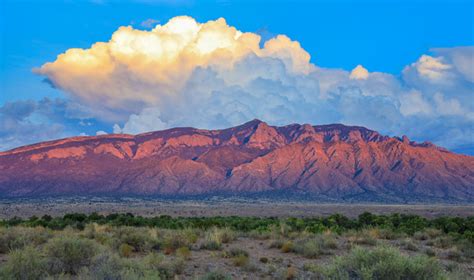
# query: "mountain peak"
[326,160]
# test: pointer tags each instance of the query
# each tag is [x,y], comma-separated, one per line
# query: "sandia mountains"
[325,162]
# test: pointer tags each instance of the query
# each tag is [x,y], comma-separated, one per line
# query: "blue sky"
[383,36]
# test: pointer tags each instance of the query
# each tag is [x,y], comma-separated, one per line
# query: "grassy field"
[125,246]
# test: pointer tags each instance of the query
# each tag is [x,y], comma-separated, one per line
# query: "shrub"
[183,253]
[126,250]
[103,266]
[264,260]
[227,235]
[233,252]
[384,263]
[215,237]
[409,245]
[69,254]
[23,264]
[387,234]
[240,260]
[291,272]
[443,242]
[428,233]
[363,237]
[287,247]
[311,248]
[110,266]
[138,238]
[276,243]
[259,235]
[17,237]
[177,239]
[166,267]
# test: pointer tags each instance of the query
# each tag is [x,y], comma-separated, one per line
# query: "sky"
[92,67]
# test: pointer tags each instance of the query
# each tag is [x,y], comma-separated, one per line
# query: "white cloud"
[413,103]
[149,119]
[211,75]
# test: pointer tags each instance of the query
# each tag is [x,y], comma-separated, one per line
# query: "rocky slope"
[318,162]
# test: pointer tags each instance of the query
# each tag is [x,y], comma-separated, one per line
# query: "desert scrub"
[17,237]
[109,266]
[167,268]
[362,237]
[139,238]
[23,264]
[259,235]
[179,238]
[315,246]
[387,234]
[215,237]
[409,245]
[280,230]
[384,263]
[66,254]
[443,242]
[428,233]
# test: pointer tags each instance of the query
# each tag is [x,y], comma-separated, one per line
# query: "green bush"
[138,238]
[384,263]
[69,254]
[23,264]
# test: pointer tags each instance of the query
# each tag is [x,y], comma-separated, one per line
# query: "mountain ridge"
[334,161]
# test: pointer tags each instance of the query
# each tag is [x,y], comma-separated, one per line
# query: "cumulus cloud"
[24,122]
[138,68]
[211,75]
[359,73]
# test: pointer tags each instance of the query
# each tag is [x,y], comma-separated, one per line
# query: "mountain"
[325,162]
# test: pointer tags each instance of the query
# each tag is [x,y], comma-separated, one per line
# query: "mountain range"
[323,162]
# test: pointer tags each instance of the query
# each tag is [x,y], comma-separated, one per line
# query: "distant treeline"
[338,223]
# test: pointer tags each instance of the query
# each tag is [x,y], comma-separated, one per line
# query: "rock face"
[333,162]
